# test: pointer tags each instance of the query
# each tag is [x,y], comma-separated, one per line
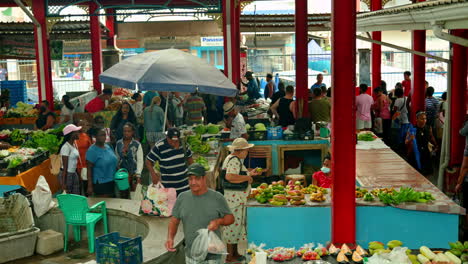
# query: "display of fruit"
[361,251]
[204,162]
[317,197]
[394,243]
[345,249]
[304,249]
[200,129]
[322,251]
[426,252]
[360,192]
[212,129]
[310,255]
[413,259]
[283,254]
[368,197]
[356,257]
[247,127]
[376,247]
[260,127]
[333,250]
[458,248]
[341,258]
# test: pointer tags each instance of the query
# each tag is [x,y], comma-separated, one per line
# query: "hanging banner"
[56,50]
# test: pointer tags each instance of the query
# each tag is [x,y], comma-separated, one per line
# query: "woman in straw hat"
[236,180]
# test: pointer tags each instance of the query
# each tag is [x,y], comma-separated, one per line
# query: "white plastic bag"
[207,242]
[396,256]
[42,197]
[137,195]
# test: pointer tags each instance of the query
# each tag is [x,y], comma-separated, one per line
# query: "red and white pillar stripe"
[302,86]
[44,73]
[96,49]
[343,136]
[376,49]
[458,98]
[231,34]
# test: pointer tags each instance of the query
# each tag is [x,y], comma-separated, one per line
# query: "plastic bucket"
[121,179]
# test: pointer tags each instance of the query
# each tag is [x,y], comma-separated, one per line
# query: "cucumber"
[452,257]
[423,259]
[427,252]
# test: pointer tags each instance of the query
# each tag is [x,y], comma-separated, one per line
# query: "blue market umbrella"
[168,70]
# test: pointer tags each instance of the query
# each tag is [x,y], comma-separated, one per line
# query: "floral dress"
[236,200]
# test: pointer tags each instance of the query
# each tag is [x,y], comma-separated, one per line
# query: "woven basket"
[15,214]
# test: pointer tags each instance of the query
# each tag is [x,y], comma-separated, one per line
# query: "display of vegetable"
[368,197]
[17,136]
[45,140]
[405,194]
[368,136]
[22,110]
[14,162]
[4,154]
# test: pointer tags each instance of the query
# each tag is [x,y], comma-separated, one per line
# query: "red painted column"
[96,49]
[376,50]
[110,24]
[458,98]
[302,86]
[226,31]
[235,42]
[419,74]
[343,136]
[44,73]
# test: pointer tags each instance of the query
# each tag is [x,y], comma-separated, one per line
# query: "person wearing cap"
[252,86]
[173,159]
[234,121]
[236,180]
[198,208]
[68,177]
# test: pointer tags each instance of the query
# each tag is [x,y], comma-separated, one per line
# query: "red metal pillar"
[419,73]
[44,73]
[302,89]
[376,49]
[110,24]
[226,36]
[96,49]
[458,98]
[343,136]
[231,34]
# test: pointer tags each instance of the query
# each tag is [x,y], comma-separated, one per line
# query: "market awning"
[448,14]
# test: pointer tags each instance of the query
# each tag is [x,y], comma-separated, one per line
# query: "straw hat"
[239,144]
[228,107]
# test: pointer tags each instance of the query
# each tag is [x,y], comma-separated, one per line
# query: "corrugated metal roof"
[62,27]
[411,7]
[281,21]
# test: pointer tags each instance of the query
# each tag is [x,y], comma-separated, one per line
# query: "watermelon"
[212,129]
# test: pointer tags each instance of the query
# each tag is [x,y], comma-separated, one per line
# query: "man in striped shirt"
[173,160]
[195,109]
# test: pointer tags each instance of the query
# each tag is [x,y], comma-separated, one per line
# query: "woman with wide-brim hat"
[236,180]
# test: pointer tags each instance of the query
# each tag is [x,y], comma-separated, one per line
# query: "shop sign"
[212,41]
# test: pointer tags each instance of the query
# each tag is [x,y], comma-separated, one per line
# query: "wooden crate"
[28,120]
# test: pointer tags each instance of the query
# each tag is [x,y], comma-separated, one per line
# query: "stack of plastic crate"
[18,91]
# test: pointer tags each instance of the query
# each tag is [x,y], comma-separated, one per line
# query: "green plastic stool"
[77,213]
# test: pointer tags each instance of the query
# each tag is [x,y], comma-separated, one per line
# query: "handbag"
[227,185]
[55,164]
[378,125]
[84,174]
[158,201]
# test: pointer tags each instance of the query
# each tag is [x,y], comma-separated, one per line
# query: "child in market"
[323,178]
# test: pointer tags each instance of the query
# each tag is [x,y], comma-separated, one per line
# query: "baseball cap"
[173,133]
[228,107]
[70,128]
[196,169]
[248,74]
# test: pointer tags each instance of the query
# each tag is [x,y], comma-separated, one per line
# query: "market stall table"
[432,224]
[28,179]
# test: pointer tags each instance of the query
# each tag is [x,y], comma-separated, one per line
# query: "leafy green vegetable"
[405,194]
[17,137]
[366,137]
[14,162]
[47,141]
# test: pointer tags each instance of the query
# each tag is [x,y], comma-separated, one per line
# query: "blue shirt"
[105,163]
[252,89]
[172,165]
[317,86]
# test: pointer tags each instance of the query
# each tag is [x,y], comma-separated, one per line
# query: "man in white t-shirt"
[235,121]
[364,103]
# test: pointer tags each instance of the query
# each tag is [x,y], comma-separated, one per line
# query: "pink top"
[364,103]
[322,180]
[383,107]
